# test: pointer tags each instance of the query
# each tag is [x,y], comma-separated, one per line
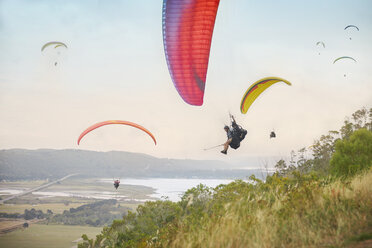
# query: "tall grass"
[309,213]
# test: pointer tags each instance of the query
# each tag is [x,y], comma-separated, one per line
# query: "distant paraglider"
[128,123]
[116,184]
[56,45]
[320,43]
[256,89]
[344,57]
[187,35]
[352,27]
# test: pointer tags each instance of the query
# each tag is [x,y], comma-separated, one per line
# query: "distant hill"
[18,164]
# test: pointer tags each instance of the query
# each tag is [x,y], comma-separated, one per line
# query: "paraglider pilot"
[272,134]
[234,136]
[116,184]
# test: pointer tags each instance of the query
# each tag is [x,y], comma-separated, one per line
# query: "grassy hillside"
[322,201]
[302,211]
[286,214]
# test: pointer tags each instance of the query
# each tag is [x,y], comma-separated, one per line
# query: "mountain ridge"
[19,164]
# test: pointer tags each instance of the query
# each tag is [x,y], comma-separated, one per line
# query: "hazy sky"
[115,68]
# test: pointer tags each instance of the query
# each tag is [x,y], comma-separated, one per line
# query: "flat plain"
[41,235]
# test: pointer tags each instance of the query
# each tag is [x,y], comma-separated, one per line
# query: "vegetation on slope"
[93,214]
[28,214]
[98,213]
[324,200]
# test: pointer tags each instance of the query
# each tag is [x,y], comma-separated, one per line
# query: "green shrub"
[352,155]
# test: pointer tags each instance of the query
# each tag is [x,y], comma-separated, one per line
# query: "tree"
[91,243]
[352,155]
[281,167]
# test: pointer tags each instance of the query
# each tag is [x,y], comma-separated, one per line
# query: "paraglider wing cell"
[256,89]
[187,36]
[100,124]
[60,45]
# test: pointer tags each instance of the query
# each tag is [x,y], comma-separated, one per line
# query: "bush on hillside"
[352,155]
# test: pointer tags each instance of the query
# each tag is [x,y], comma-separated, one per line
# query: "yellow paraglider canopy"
[57,43]
[256,89]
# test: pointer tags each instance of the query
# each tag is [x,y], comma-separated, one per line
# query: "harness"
[238,134]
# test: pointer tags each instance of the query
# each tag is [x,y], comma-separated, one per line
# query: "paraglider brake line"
[206,149]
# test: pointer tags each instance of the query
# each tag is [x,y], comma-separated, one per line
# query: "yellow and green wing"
[256,89]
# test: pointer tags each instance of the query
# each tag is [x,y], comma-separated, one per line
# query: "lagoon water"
[10,191]
[165,188]
[102,195]
[170,188]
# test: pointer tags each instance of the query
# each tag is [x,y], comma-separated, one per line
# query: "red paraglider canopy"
[100,124]
[187,34]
